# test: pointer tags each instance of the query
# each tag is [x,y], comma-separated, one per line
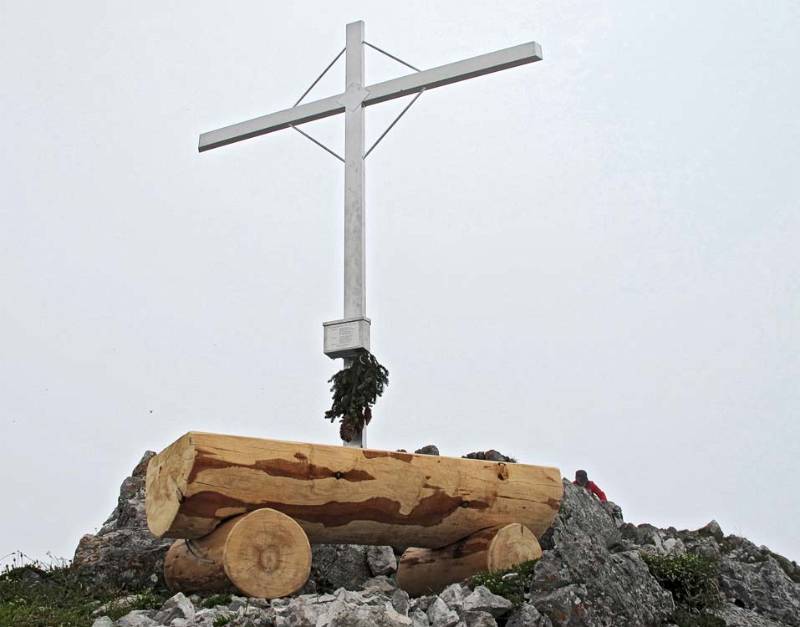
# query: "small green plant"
[691,578]
[217,599]
[33,594]
[512,583]
[355,390]
[220,621]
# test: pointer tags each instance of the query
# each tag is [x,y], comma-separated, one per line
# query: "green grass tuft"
[217,599]
[511,584]
[37,595]
[691,578]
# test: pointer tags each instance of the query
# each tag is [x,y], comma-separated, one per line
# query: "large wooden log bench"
[246,509]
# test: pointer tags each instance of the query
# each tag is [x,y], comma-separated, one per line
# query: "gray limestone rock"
[528,616]
[382,583]
[478,619]
[103,621]
[339,566]
[712,529]
[454,595]
[491,455]
[381,560]
[579,580]
[344,614]
[430,449]
[401,601]
[422,603]
[177,606]
[137,618]
[419,618]
[123,554]
[440,615]
[483,600]
[763,587]
[297,613]
[735,616]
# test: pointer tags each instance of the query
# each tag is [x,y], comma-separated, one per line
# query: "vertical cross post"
[355,293]
[355,298]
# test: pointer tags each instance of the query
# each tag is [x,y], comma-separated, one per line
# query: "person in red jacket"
[582,479]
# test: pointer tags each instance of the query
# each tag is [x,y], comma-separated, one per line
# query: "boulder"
[761,586]
[339,566]
[440,615]
[491,455]
[735,616]
[483,600]
[478,619]
[528,616]
[381,560]
[453,595]
[124,554]
[585,578]
[177,606]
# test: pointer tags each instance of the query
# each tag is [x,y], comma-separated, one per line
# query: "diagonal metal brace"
[391,56]
[395,121]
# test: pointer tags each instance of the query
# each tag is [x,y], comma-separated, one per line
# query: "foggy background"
[588,262]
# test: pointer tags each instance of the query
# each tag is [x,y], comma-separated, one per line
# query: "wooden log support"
[196,565]
[342,495]
[262,554]
[429,571]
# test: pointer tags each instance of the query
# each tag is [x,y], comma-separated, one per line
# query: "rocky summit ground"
[596,569]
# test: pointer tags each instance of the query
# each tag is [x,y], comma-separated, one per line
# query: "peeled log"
[429,571]
[262,554]
[196,565]
[342,495]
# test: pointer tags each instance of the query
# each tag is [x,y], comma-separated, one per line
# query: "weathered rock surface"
[528,616]
[491,455]
[381,560]
[338,566]
[124,554]
[581,580]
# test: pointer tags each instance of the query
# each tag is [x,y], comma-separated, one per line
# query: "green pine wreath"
[355,390]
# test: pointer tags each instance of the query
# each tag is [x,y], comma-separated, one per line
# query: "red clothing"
[594,489]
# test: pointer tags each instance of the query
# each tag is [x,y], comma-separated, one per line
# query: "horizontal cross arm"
[380,92]
[271,122]
[454,72]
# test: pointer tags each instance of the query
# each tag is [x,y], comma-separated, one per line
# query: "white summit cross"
[343,338]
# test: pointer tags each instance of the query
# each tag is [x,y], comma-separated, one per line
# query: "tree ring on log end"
[512,545]
[267,554]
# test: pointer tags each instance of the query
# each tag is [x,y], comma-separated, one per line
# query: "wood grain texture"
[261,554]
[197,565]
[267,555]
[429,571]
[343,495]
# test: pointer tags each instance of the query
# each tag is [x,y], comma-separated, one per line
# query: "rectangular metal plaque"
[345,337]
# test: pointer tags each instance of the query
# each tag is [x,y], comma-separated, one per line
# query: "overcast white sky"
[591,261]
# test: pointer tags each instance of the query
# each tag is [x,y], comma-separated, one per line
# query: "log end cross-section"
[429,571]
[262,554]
